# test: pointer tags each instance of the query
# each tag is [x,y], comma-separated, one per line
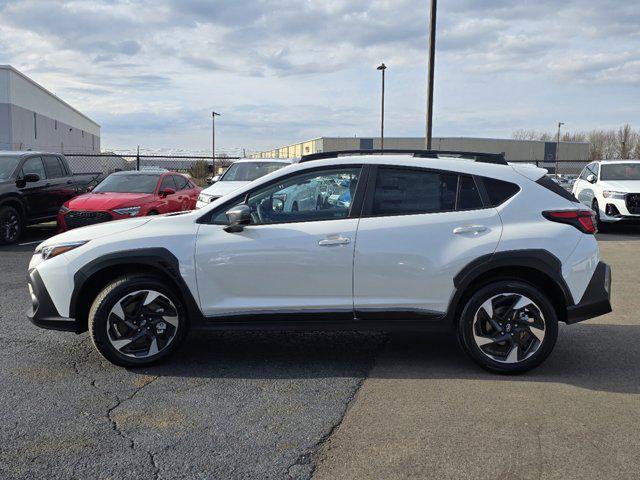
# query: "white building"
[32,118]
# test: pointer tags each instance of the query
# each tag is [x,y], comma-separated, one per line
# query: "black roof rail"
[495,158]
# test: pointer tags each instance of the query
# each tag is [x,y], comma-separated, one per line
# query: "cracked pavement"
[322,406]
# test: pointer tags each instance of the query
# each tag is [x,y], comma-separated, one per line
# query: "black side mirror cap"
[31,177]
[238,217]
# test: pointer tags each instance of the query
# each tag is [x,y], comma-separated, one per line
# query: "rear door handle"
[474,229]
[330,241]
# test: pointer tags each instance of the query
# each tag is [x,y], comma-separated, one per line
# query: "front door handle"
[473,229]
[330,241]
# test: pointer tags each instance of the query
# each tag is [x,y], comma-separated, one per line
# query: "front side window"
[128,183]
[181,182]
[34,165]
[308,197]
[250,171]
[621,171]
[167,182]
[405,191]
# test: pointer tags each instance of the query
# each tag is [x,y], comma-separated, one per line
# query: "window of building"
[35,126]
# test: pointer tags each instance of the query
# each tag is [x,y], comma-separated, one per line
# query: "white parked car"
[238,175]
[612,190]
[496,254]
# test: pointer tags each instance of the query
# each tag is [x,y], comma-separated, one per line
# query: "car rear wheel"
[137,321]
[508,327]
[11,225]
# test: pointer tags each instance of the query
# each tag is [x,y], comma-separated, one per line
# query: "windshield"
[134,183]
[620,171]
[7,166]
[249,171]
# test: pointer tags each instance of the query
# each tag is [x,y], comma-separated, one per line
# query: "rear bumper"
[596,300]
[42,312]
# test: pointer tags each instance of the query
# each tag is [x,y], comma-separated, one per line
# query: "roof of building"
[37,85]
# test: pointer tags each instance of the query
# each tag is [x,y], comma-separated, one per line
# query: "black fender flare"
[15,200]
[158,258]
[538,259]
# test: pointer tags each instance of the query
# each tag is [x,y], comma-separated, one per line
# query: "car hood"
[108,200]
[96,231]
[220,189]
[621,185]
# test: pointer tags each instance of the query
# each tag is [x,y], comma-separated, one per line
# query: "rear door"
[61,186]
[419,228]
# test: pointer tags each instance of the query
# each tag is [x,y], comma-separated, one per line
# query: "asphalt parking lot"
[340,405]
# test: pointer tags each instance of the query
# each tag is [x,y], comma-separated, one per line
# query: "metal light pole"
[382,68]
[432,61]
[560,124]
[213,142]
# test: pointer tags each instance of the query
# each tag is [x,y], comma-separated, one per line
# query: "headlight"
[51,251]
[63,209]
[131,211]
[614,195]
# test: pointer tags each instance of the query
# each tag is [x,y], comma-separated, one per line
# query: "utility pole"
[382,68]
[138,159]
[213,142]
[560,124]
[432,61]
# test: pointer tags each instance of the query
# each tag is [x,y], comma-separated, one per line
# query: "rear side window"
[181,182]
[468,194]
[549,184]
[54,168]
[403,192]
[499,191]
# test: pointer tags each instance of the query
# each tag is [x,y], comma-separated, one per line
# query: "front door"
[419,229]
[298,261]
[36,194]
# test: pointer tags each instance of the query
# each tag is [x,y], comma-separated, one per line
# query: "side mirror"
[31,177]
[167,192]
[592,178]
[238,217]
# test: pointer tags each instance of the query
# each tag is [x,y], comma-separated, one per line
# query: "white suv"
[612,190]
[495,253]
[238,175]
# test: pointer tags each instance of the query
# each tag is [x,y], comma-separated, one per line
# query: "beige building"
[514,150]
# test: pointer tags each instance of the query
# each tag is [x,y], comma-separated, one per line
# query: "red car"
[129,194]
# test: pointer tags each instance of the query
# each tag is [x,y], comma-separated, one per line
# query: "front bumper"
[596,300]
[42,312]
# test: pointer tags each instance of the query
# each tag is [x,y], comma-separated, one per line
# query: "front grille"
[633,203]
[75,219]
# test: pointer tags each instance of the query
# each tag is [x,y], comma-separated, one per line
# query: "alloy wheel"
[10,227]
[509,328]
[142,324]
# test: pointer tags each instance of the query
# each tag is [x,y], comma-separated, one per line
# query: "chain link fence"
[197,167]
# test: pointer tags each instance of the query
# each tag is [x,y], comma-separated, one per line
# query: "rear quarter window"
[549,184]
[499,191]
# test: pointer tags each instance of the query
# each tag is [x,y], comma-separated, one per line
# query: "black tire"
[11,225]
[466,332]
[600,225]
[115,292]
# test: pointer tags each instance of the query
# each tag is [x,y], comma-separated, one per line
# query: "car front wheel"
[137,321]
[508,327]
[10,225]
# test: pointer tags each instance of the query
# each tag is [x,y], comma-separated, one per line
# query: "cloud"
[281,70]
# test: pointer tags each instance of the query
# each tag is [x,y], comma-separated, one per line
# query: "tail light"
[583,220]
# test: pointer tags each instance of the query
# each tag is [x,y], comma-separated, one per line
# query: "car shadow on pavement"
[620,233]
[600,357]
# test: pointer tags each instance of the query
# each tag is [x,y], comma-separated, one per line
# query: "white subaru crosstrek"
[495,253]
[612,190]
[238,175]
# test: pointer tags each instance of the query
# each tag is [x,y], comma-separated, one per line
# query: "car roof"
[24,153]
[617,161]
[267,160]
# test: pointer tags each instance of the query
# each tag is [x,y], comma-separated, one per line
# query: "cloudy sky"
[150,71]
